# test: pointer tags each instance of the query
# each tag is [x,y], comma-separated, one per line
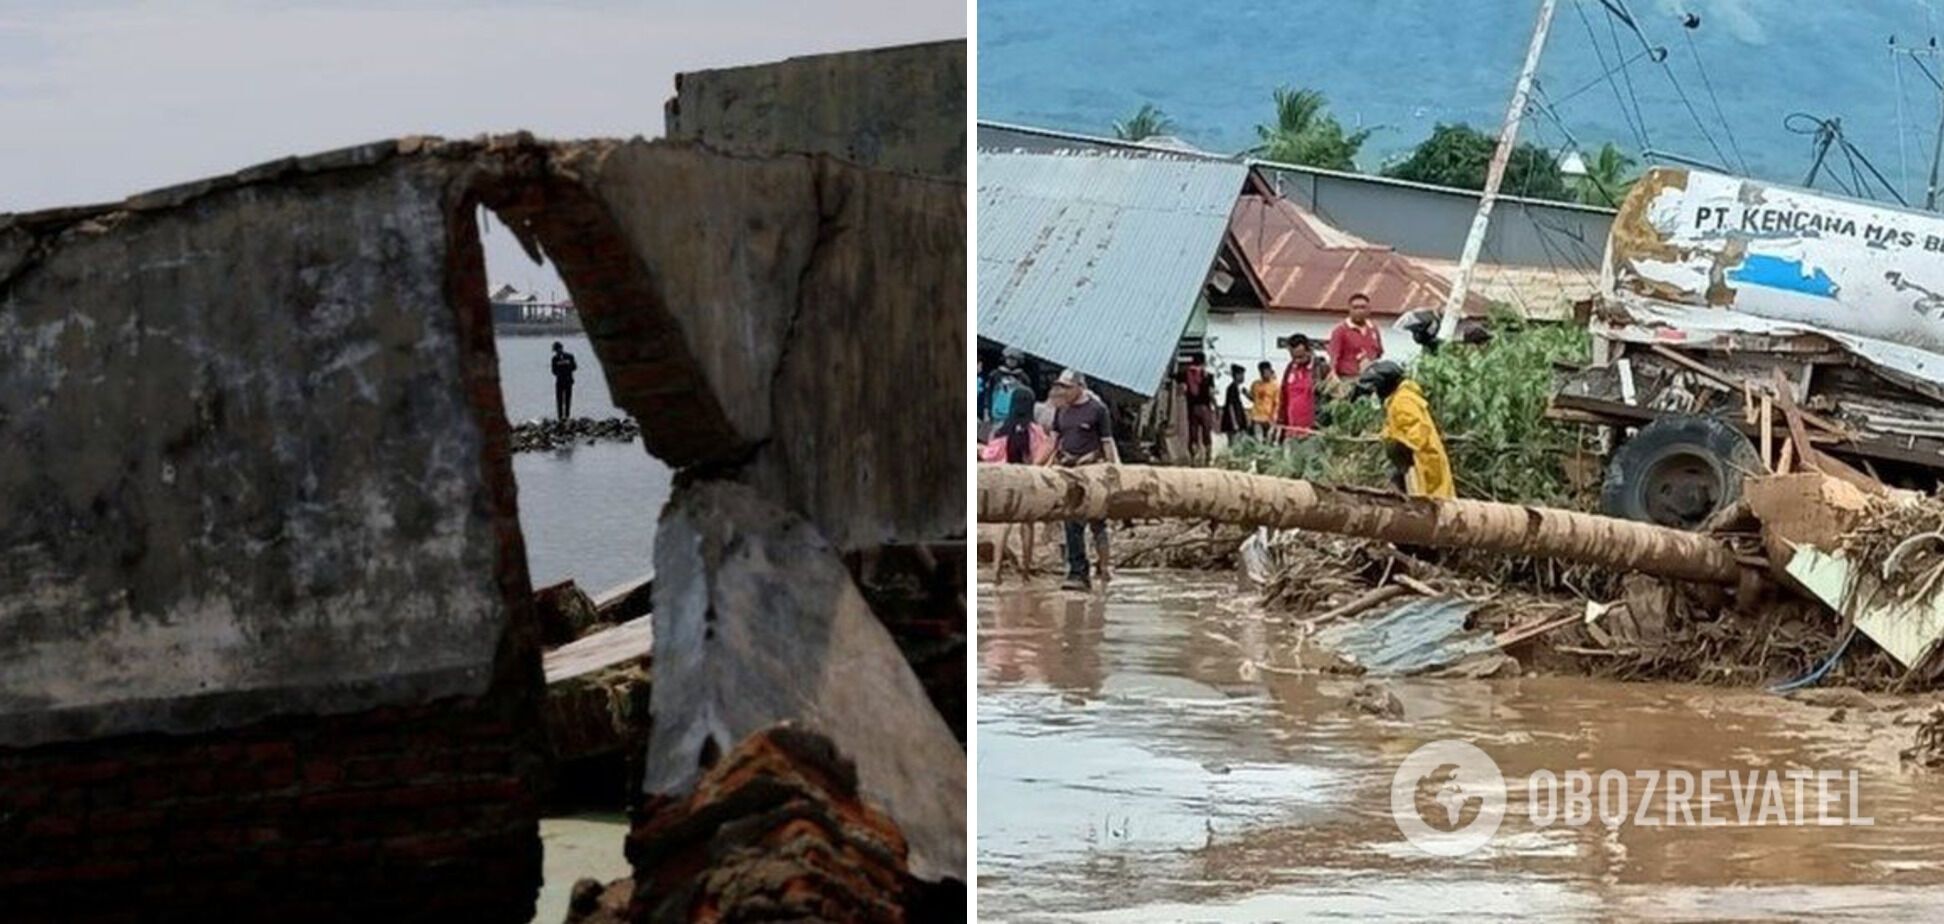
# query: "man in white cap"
[1083,434]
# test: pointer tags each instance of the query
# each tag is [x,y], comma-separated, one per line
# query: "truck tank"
[1824,262]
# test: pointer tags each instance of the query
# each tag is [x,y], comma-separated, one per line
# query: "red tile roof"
[1296,262]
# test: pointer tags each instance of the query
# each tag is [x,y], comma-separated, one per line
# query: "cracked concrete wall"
[257,494]
[241,466]
[822,302]
[900,108]
[251,442]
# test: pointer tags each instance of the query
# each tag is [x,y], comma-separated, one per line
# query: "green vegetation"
[1146,122]
[1490,403]
[1460,156]
[1609,174]
[1304,133]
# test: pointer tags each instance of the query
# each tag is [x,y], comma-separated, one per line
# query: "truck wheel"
[1677,471]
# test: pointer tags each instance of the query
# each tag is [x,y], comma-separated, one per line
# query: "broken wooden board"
[597,691]
[629,641]
[1904,628]
[626,600]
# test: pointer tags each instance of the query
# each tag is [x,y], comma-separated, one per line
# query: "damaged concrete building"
[266,629]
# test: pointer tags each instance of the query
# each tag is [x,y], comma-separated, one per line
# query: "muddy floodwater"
[1149,754]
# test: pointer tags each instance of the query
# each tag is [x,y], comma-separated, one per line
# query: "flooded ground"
[588,512]
[1150,756]
[576,847]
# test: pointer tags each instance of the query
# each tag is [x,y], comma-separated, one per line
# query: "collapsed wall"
[899,109]
[265,621]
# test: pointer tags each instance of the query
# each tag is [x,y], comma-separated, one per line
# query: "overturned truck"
[1744,328]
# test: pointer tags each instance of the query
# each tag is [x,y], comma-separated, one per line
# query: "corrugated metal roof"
[1300,263]
[1095,261]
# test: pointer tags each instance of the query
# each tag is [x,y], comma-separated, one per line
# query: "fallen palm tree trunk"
[1024,494]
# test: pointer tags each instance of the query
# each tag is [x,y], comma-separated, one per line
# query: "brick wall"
[390,814]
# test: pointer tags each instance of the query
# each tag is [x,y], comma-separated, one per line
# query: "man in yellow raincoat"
[1411,439]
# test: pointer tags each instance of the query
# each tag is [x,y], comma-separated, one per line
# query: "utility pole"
[1937,147]
[1937,151]
[1508,135]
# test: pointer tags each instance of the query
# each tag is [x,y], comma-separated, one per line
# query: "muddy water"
[1150,755]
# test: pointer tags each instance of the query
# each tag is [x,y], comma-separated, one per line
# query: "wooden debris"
[597,692]
[1812,457]
[1768,433]
[1360,603]
[1518,634]
[1416,585]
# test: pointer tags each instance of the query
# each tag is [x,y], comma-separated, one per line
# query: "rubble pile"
[542,435]
[1195,546]
[1890,524]
[776,830]
[1641,628]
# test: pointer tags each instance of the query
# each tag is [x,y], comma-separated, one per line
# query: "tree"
[1027,494]
[1304,133]
[1609,174]
[1459,155]
[1146,122]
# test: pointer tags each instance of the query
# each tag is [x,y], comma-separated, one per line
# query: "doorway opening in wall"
[590,496]
[589,492]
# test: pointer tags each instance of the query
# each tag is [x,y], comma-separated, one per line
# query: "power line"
[1659,56]
[1927,72]
[1688,33]
[1549,109]
[1613,33]
[1827,133]
[1639,130]
[1606,75]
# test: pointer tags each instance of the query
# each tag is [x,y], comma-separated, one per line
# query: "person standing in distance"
[1083,434]
[563,373]
[1355,343]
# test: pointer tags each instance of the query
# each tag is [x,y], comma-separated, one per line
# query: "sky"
[103,98]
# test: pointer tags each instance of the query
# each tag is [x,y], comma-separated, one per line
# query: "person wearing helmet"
[1419,465]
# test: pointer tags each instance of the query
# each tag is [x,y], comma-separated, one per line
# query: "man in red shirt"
[1296,413]
[1355,343]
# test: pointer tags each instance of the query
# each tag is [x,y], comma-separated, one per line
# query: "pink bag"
[994,450]
[1041,443]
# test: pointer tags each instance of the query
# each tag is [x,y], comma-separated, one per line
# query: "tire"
[1677,471]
